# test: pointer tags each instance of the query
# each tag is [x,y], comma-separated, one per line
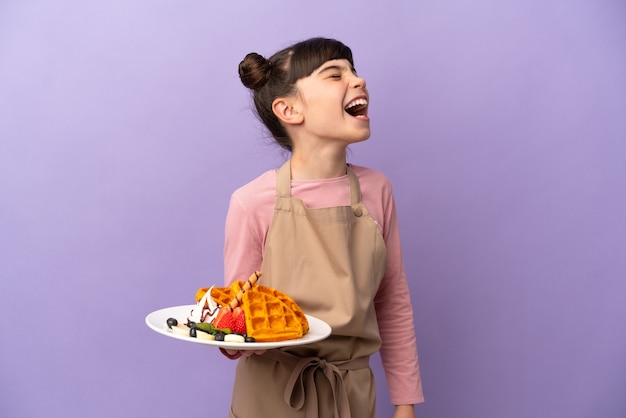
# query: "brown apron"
[331,261]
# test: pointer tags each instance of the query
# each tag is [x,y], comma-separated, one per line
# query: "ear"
[287,110]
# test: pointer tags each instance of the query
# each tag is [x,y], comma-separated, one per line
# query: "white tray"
[157,321]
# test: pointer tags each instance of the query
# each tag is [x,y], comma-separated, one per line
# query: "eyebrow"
[341,68]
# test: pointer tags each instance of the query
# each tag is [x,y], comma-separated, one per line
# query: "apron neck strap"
[355,189]
[283,180]
[283,183]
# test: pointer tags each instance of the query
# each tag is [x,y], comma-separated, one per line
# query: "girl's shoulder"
[260,189]
[371,179]
[369,173]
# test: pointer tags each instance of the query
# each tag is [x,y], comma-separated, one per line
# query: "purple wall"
[124,129]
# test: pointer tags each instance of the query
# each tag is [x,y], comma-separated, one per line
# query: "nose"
[358,82]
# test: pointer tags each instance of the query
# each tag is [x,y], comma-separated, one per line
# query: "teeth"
[357,102]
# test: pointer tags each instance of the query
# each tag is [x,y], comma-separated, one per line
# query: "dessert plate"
[157,321]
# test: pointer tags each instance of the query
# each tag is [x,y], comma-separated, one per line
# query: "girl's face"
[334,102]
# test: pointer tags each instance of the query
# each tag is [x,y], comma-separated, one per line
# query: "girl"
[325,233]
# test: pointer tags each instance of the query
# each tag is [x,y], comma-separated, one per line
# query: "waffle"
[201,292]
[271,315]
[269,318]
[222,295]
[291,304]
[229,296]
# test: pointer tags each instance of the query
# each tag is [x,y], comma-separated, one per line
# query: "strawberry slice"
[239,325]
[224,319]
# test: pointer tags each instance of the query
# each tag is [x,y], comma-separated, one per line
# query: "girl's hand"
[404,411]
[235,354]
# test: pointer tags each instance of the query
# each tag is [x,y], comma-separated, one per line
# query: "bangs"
[309,55]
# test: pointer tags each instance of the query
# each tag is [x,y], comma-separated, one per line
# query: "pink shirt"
[248,220]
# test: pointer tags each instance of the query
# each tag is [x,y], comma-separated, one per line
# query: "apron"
[331,262]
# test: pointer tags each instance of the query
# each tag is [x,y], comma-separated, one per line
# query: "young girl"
[324,232]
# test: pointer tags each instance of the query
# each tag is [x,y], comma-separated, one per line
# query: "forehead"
[337,64]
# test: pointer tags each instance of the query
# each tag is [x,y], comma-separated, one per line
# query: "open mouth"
[357,108]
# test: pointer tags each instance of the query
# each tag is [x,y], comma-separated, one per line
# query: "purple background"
[124,129]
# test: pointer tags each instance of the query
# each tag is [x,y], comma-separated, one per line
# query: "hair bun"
[254,71]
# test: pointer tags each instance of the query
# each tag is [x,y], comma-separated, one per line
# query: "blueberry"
[250,339]
[192,332]
[171,322]
[219,336]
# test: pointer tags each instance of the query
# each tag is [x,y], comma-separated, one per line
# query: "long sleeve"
[395,320]
[243,247]
[247,221]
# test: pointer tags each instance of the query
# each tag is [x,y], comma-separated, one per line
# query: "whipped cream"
[206,309]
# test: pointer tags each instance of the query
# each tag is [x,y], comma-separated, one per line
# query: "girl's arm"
[243,247]
[395,320]
[404,411]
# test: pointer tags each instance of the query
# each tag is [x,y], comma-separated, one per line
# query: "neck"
[323,165]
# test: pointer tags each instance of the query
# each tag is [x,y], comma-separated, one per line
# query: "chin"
[361,139]
[366,135]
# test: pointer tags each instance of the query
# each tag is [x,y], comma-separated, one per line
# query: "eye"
[335,76]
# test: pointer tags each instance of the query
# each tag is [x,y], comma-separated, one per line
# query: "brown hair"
[275,77]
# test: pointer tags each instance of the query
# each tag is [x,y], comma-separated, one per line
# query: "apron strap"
[283,183]
[300,389]
[355,189]
[283,180]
